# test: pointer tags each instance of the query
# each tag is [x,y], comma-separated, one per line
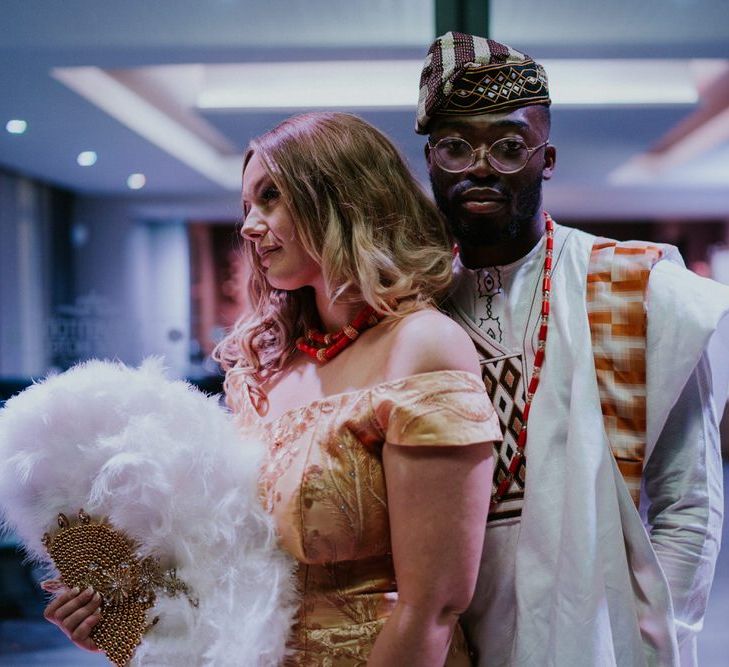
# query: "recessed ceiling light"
[16,126]
[86,158]
[136,181]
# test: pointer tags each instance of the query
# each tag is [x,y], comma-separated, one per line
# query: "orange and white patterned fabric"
[617,281]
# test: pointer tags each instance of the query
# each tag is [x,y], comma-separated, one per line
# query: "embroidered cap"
[464,75]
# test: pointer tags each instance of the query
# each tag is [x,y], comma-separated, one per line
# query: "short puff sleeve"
[445,408]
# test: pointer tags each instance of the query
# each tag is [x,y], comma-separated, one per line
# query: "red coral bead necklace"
[324,347]
[516,459]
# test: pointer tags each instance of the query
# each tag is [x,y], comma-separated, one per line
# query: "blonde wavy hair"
[360,214]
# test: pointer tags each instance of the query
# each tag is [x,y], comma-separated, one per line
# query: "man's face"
[483,206]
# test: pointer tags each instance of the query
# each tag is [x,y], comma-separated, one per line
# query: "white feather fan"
[166,465]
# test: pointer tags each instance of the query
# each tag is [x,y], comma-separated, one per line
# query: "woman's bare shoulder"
[428,340]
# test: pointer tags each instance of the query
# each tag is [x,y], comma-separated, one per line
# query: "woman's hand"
[74,612]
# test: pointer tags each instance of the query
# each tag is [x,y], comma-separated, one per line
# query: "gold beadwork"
[98,555]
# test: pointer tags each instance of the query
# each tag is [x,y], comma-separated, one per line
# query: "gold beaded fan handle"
[94,553]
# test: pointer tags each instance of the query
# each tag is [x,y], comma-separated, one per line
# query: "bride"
[376,423]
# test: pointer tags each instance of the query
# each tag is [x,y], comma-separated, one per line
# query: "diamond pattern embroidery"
[505,387]
[478,84]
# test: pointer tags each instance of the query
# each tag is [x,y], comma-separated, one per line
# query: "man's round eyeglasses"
[507,155]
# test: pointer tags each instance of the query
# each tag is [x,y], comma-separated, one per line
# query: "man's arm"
[682,487]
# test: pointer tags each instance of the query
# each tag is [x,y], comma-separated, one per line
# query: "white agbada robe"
[579,578]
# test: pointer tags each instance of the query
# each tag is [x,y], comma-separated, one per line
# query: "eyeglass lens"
[505,155]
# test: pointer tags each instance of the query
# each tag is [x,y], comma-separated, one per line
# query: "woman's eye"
[269,194]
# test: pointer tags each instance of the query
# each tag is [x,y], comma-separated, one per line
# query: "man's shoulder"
[572,242]
[580,238]
[588,241]
[679,293]
[601,253]
[574,233]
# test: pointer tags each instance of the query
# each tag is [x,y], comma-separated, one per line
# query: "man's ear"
[426,150]
[550,161]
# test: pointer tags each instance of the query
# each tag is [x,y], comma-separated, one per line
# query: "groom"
[606,513]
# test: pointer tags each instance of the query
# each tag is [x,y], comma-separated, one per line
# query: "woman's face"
[269,225]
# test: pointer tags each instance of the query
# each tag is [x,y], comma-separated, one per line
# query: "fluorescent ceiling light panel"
[393,84]
[621,82]
[331,84]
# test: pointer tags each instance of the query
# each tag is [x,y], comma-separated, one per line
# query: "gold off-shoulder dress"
[323,482]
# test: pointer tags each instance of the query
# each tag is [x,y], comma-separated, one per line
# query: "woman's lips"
[266,254]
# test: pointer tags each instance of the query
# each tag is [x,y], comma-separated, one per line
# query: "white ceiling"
[615,28]
[595,142]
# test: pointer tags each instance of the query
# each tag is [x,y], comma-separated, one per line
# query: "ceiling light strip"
[392,84]
[137,114]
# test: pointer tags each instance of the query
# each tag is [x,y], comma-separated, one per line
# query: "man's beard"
[476,232]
